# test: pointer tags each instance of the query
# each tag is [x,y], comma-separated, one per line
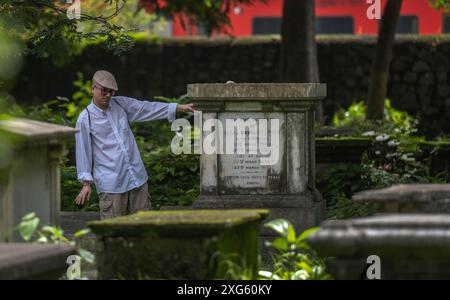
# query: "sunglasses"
[105,91]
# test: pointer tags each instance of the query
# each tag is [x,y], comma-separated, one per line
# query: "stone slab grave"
[28,261]
[187,244]
[30,172]
[410,246]
[409,198]
[233,177]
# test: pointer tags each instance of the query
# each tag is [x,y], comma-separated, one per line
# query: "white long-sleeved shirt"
[109,143]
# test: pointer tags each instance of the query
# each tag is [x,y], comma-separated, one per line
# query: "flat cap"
[105,79]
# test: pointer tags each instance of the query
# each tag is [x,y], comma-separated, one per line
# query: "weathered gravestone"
[30,172]
[27,261]
[409,246]
[278,173]
[409,198]
[188,244]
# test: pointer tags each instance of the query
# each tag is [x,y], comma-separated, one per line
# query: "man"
[106,150]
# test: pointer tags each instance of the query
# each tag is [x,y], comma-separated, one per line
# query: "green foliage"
[70,188]
[28,226]
[395,121]
[46,29]
[338,186]
[28,229]
[234,270]
[440,4]
[294,258]
[173,179]
[395,158]
[212,14]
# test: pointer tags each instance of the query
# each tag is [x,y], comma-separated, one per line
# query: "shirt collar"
[98,109]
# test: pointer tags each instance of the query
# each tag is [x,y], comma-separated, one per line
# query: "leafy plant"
[395,158]
[294,259]
[28,229]
[233,269]
[47,31]
[173,179]
[395,121]
[338,186]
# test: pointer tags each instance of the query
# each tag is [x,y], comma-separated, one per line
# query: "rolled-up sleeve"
[141,111]
[83,152]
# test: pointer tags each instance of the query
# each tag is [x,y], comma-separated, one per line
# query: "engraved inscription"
[243,173]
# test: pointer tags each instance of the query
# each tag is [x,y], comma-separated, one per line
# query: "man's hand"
[186,108]
[84,195]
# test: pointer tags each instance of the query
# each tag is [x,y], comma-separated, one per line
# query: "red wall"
[430,20]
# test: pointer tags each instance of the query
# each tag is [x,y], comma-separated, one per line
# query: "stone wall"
[419,80]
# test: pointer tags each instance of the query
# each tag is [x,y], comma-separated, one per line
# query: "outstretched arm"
[140,111]
[186,108]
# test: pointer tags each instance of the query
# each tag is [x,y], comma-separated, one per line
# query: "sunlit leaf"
[281,244]
[82,232]
[300,275]
[29,216]
[291,235]
[279,225]
[268,275]
[304,266]
[305,234]
[86,255]
[28,227]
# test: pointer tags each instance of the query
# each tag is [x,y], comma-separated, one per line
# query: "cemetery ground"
[352,199]
[351,156]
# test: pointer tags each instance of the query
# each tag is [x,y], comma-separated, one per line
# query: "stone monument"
[409,246]
[30,161]
[263,138]
[408,198]
[186,244]
[20,261]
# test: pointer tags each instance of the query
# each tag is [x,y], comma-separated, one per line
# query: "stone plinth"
[32,152]
[410,246]
[27,261]
[342,149]
[177,244]
[409,198]
[242,180]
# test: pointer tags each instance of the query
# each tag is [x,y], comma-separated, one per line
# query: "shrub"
[294,258]
[395,158]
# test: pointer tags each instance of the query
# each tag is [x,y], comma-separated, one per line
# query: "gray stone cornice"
[257,91]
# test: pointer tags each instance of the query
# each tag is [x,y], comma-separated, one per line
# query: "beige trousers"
[114,205]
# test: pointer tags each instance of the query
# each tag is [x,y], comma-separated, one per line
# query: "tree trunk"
[383,56]
[298,44]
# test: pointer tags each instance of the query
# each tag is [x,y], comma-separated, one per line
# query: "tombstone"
[409,246]
[408,198]
[252,180]
[30,172]
[186,244]
[29,261]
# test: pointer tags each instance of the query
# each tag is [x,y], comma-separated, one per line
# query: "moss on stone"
[171,223]
[198,244]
